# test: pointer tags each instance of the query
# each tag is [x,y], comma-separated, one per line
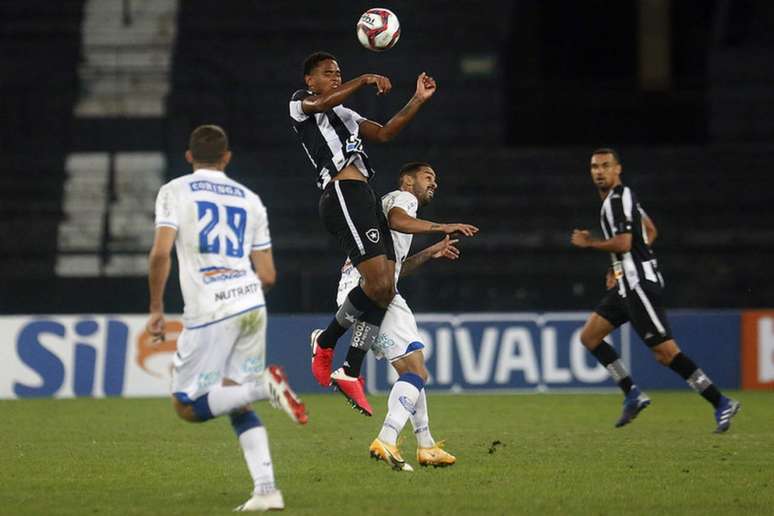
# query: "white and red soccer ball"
[378,29]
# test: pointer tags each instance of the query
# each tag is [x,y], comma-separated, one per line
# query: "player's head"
[208,148]
[321,72]
[605,168]
[418,178]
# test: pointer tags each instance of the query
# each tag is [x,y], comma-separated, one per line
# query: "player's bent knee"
[380,290]
[665,352]
[589,339]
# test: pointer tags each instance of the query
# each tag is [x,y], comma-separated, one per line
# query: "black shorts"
[643,307]
[351,212]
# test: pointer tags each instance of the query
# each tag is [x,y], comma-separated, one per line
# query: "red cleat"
[322,360]
[281,396]
[353,389]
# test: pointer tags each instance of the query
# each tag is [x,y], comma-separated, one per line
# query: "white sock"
[222,399]
[420,420]
[400,405]
[255,446]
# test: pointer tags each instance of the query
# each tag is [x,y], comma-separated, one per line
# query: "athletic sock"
[354,361]
[420,420]
[364,336]
[400,405]
[696,378]
[608,357]
[223,399]
[355,305]
[255,446]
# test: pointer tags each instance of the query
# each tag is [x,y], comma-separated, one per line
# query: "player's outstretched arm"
[401,221]
[322,103]
[442,249]
[159,262]
[620,243]
[373,131]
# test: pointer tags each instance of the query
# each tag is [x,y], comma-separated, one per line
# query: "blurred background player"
[221,231]
[331,136]
[399,340]
[636,296]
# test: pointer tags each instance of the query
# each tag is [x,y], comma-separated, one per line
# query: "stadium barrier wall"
[112,355]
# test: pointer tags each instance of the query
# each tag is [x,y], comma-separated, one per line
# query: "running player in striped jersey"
[221,232]
[635,295]
[332,138]
[399,340]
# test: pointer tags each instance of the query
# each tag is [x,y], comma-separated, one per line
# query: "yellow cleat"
[389,454]
[435,456]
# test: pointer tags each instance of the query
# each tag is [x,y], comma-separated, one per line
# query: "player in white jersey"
[398,340]
[220,231]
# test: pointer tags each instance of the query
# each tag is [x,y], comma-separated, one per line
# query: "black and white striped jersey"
[331,139]
[622,213]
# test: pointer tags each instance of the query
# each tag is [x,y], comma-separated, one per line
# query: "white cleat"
[262,503]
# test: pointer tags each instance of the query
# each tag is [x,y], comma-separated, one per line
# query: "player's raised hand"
[155,326]
[466,229]
[580,238]
[426,86]
[445,249]
[382,83]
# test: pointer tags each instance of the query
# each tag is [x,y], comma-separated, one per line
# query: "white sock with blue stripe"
[255,446]
[400,406]
[420,420]
[222,399]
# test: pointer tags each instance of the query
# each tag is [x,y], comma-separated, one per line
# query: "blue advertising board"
[112,355]
[524,351]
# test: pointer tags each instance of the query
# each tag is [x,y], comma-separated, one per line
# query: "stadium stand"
[505,163]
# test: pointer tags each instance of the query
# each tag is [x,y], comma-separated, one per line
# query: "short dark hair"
[208,143]
[311,62]
[608,150]
[410,169]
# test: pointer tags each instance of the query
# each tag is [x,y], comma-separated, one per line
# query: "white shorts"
[398,334]
[233,348]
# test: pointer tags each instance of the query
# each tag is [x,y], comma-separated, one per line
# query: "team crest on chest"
[373,235]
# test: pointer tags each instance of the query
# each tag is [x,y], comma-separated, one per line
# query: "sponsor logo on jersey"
[235,292]
[213,274]
[354,144]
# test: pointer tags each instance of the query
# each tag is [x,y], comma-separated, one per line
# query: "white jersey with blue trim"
[350,277]
[219,222]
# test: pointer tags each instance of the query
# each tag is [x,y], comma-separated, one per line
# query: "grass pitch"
[559,454]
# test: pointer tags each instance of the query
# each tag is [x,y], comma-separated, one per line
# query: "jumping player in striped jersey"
[399,340]
[634,295]
[332,138]
[221,234]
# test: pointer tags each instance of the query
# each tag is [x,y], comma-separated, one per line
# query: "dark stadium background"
[683,88]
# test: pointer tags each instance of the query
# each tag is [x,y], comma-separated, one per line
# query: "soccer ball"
[378,29]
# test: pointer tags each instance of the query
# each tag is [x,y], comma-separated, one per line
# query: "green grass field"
[560,455]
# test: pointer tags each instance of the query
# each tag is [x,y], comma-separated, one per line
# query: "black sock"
[696,378]
[356,304]
[608,357]
[354,361]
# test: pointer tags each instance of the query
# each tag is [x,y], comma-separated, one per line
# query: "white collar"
[209,171]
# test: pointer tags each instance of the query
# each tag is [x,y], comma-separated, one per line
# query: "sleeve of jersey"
[296,112]
[621,205]
[166,208]
[261,237]
[354,115]
[406,202]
